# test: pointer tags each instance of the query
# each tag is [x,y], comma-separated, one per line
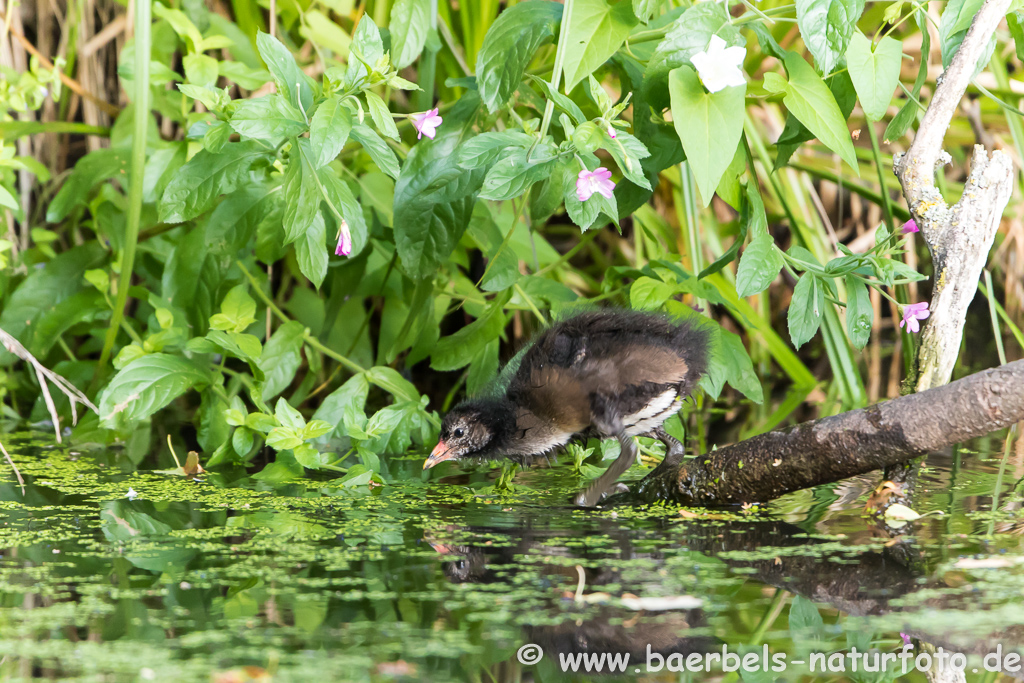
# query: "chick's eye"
[457,433]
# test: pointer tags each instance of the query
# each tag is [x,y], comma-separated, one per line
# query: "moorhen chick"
[622,373]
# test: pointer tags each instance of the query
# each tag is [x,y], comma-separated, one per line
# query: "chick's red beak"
[440,453]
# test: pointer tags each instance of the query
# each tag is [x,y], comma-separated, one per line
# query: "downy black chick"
[620,372]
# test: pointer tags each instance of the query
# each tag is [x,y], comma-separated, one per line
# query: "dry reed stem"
[42,374]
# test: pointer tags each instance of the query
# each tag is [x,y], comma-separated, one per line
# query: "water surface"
[228,577]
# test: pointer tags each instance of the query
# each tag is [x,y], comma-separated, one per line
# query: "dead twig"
[42,374]
[959,237]
[14,467]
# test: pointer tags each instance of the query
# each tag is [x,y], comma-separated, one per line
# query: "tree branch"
[827,450]
[959,238]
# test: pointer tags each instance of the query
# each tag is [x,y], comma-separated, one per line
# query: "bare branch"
[43,374]
[841,446]
[14,467]
[959,238]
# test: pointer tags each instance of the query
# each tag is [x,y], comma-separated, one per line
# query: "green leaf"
[689,34]
[648,294]
[206,176]
[484,149]
[91,170]
[269,118]
[513,175]
[357,475]
[217,135]
[730,362]
[182,25]
[434,199]
[908,112]
[483,367]
[349,398]
[41,291]
[244,346]
[510,45]
[311,251]
[457,350]
[367,47]
[146,385]
[806,309]
[307,456]
[376,148]
[329,129]
[708,124]
[875,75]
[244,76]
[805,620]
[233,224]
[795,133]
[241,441]
[1015,22]
[503,266]
[390,381]
[291,80]
[283,438]
[811,102]
[826,27]
[281,358]
[324,32]
[337,192]
[200,69]
[562,103]
[302,191]
[627,152]
[7,200]
[237,311]
[409,25]
[953,25]
[859,312]
[644,9]
[212,98]
[381,115]
[597,30]
[759,265]
[260,422]
[288,416]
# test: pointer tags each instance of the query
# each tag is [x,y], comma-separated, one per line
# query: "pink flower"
[909,227]
[904,636]
[912,313]
[611,131]
[344,247]
[589,182]
[426,123]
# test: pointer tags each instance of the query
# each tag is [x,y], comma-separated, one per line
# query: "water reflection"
[303,580]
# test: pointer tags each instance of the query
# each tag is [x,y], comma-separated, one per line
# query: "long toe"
[586,499]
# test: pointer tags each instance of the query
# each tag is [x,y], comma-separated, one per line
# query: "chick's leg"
[674,450]
[608,421]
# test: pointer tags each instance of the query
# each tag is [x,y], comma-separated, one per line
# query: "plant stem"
[886,202]
[999,481]
[556,75]
[428,66]
[306,336]
[143,23]
[995,319]
[1016,331]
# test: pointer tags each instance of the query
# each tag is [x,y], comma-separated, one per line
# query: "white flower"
[132,494]
[719,67]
